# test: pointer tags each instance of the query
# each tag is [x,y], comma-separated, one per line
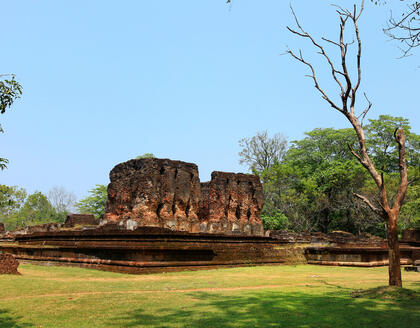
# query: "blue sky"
[105,81]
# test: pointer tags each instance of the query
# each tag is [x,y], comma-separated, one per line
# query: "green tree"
[314,184]
[11,201]
[95,202]
[146,155]
[10,90]
[35,210]
[278,221]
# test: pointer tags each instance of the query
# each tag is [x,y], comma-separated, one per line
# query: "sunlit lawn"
[269,296]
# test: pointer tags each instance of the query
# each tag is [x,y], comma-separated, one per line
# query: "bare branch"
[369,203]
[404,31]
[355,154]
[363,114]
[322,52]
[313,76]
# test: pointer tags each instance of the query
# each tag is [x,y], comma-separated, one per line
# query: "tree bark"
[394,267]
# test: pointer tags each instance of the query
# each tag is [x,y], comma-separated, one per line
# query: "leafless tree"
[260,152]
[61,199]
[349,88]
[406,28]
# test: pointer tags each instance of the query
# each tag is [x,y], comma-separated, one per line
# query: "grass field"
[269,296]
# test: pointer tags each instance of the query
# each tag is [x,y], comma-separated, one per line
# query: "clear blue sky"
[105,81]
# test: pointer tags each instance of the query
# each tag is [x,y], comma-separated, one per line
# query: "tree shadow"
[275,309]
[9,321]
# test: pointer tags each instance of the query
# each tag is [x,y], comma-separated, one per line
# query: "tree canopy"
[95,202]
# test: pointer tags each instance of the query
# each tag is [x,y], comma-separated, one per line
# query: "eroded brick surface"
[8,264]
[80,219]
[154,192]
[168,194]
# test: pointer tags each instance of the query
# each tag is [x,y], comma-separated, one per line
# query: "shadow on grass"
[274,309]
[8,321]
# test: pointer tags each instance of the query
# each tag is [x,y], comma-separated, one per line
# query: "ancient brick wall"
[232,203]
[80,219]
[154,192]
[168,194]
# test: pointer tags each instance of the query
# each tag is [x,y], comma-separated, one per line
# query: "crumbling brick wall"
[80,219]
[8,264]
[168,194]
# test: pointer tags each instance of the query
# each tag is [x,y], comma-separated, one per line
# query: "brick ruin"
[8,264]
[73,220]
[160,218]
[168,194]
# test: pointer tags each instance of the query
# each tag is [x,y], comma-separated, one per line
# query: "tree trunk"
[393,251]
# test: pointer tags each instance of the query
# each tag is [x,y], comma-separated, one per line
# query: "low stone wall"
[356,256]
[73,220]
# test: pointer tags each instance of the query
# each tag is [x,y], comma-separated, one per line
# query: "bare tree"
[349,90]
[406,28]
[260,152]
[61,199]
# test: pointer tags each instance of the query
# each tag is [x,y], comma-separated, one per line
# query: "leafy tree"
[35,210]
[278,221]
[146,155]
[11,200]
[10,90]
[260,151]
[95,202]
[314,184]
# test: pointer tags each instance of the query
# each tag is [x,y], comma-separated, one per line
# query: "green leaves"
[17,210]
[314,183]
[95,203]
[10,90]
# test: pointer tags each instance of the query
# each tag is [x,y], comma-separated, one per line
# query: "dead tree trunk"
[348,95]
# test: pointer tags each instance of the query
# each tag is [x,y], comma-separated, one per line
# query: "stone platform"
[148,250]
[357,256]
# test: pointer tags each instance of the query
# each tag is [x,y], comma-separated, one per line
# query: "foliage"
[10,90]
[261,152]
[35,210]
[95,202]
[315,183]
[18,210]
[146,155]
[11,199]
[278,221]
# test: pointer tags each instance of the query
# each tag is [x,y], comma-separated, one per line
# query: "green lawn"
[268,296]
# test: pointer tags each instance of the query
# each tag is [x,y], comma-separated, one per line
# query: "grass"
[268,296]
